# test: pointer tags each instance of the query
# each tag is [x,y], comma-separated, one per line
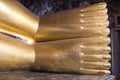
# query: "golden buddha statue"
[80,22]
[73,41]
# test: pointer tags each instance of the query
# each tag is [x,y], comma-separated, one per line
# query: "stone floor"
[50,76]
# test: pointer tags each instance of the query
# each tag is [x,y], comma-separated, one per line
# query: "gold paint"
[96,65]
[17,20]
[92,13]
[96,57]
[18,16]
[94,7]
[94,71]
[57,18]
[57,56]
[21,34]
[15,55]
[55,32]
[68,56]
[87,54]
[95,48]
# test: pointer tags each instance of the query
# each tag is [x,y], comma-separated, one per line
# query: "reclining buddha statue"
[71,41]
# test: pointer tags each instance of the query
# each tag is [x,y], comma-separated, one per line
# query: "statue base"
[26,75]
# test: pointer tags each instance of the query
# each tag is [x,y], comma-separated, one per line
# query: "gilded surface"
[82,22]
[74,55]
[15,55]
[62,25]
[17,20]
[84,51]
